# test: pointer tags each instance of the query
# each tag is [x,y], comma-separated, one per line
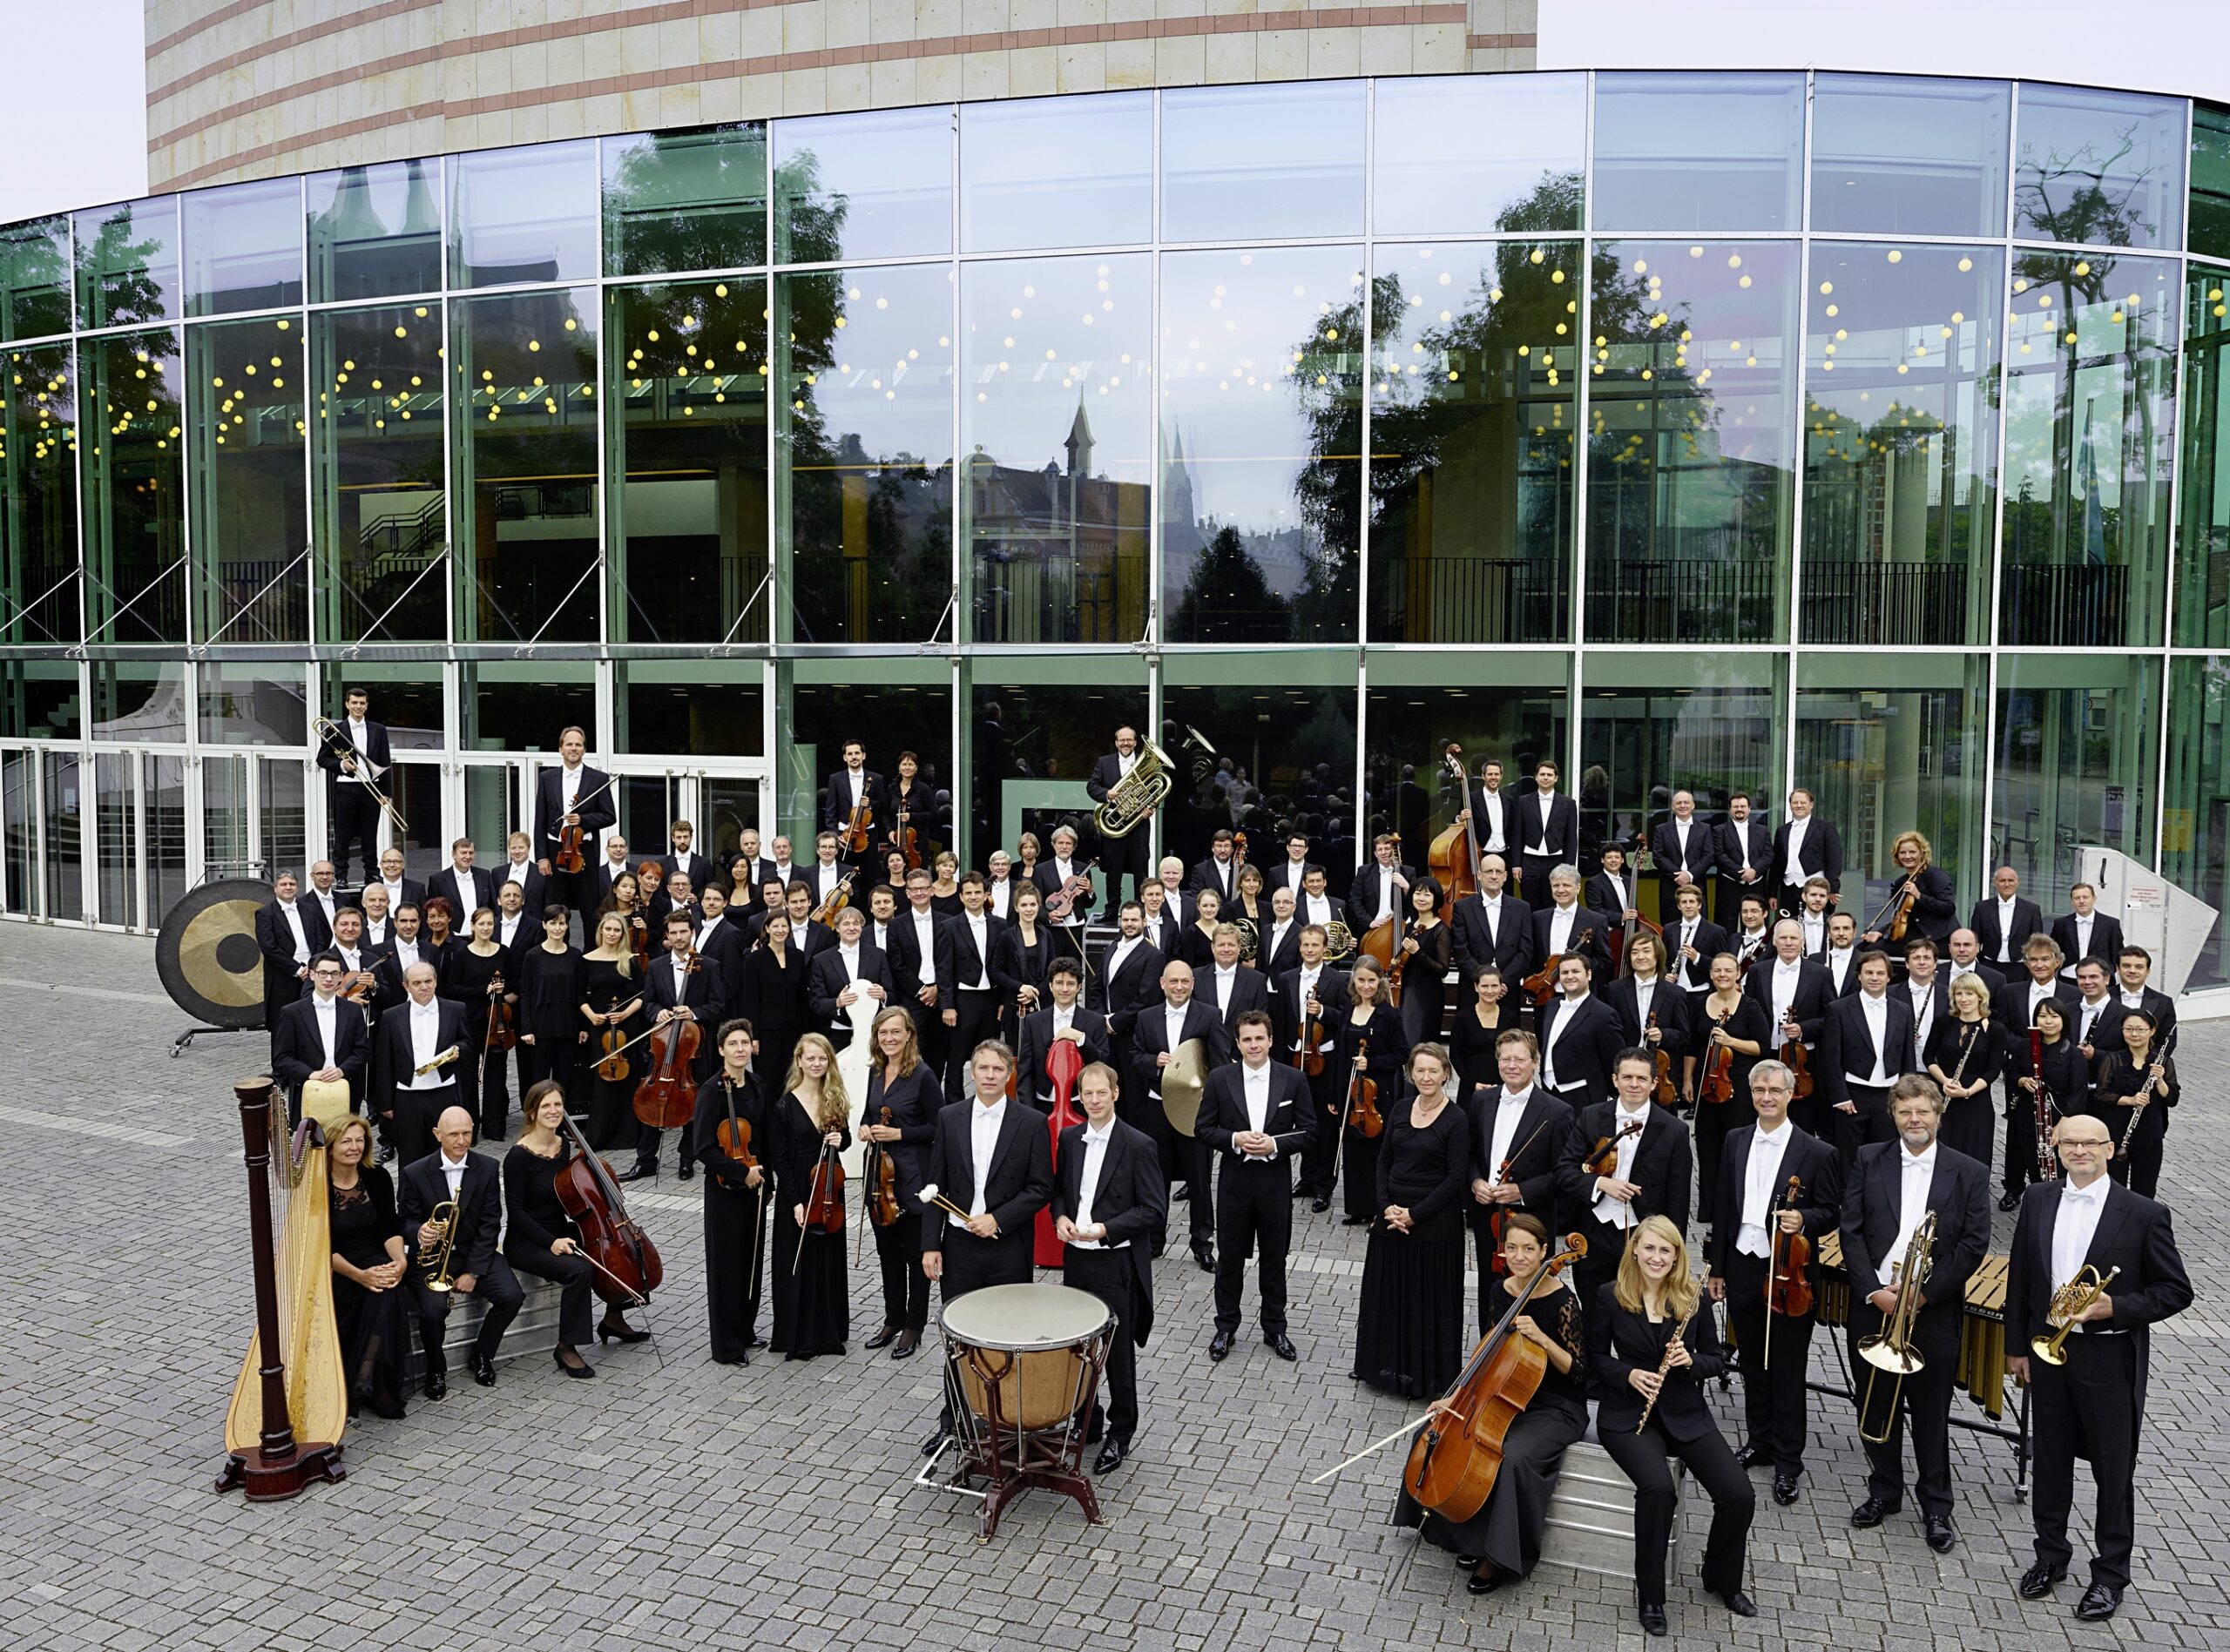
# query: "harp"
[282,1432]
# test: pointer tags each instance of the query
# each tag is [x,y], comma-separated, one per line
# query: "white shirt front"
[1741,830]
[2087,1015]
[454,1169]
[1915,1174]
[825,879]
[1302,988]
[1318,908]
[1566,1014]
[405,955]
[2082,945]
[468,899]
[1759,1182]
[1839,961]
[857,780]
[1173,1018]
[1123,948]
[984,1124]
[1618,882]
[1645,997]
[1508,1108]
[425,1044]
[568,786]
[1277,939]
[1923,999]
[1561,919]
[516,870]
[925,932]
[980,927]
[507,927]
[294,922]
[2072,1229]
[1491,840]
[1876,1011]
[1095,1161]
[2132,1000]
[1798,872]
[1255,1082]
[2005,932]
[326,905]
[393,887]
[1547,800]
[325,1009]
[1686,939]
[359,736]
[1292,872]
[999,895]
[1225,979]
[2038,993]
[1816,931]
[1620,1213]
[1386,896]
[1786,977]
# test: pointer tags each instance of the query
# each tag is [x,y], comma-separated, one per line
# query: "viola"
[1063,1064]
[733,1132]
[905,839]
[1310,1057]
[1788,1283]
[569,857]
[1603,1157]
[502,1032]
[666,1098]
[839,898]
[882,1183]
[1454,857]
[1719,1071]
[1668,1093]
[1456,1457]
[855,836]
[613,1064]
[1798,1060]
[1076,887]
[1896,912]
[1363,1116]
[638,939]
[1542,983]
[824,1205]
[627,1264]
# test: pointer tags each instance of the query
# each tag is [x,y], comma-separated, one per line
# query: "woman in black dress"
[912,808]
[1502,1540]
[1726,1018]
[2124,1077]
[1428,947]
[1196,941]
[1022,954]
[549,1002]
[1487,1017]
[475,981]
[735,1196]
[2062,1087]
[901,1081]
[439,943]
[1410,1334]
[1369,1017]
[812,1299]
[1968,1047]
[775,992]
[612,1001]
[944,889]
[1249,902]
[368,1306]
[1652,1347]
[540,1239]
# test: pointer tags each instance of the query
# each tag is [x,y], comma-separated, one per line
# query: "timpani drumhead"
[1034,1347]
[1025,1318]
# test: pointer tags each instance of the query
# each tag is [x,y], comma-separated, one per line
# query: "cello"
[1454,856]
[666,1098]
[1063,1064]
[627,1263]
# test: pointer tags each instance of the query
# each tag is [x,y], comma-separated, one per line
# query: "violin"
[1310,1056]
[613,1063]
[1063,1065]
[1668,1093]
[502,1029]
[666,1098]
[839,898]
[1719,1071]
[1788,1283]
[1076,887]
[1603,1157]
[638,939]
[1456,1460]
[1542,983]
[357,987]
[1798,1060]
[882,1182]
[906,840]
[627,1264]
[855,836]
[733,1132]
[824,1205]
[569,857]
[1896,912]
[1363,1114]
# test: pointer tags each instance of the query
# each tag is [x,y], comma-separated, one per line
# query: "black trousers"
[1253,1204]
[415,1113]
[1773,1403]
[1605,1246]
[497,1287]
[575,1276]
[2021,1156]
[355,823]
[1924,1402]
[1534,870]
[972,1264]
[576,890]
[2140,1171]
[2087,1408]
[1325,1096]
[1715,1121]
[905,1287]
[1868,1124]
[1108,1276]
[975,1017]
[1727,901]
[1647,1459]
[1119,855]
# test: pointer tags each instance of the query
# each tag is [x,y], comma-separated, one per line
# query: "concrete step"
[1590,1522]
[534,1333]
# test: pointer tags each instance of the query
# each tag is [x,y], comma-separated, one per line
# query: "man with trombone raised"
[2094,1265]
[355,752]
[1915,1224]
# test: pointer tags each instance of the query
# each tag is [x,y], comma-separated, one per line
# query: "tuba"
[1891,1349]
[2068,1304]
[1137,795]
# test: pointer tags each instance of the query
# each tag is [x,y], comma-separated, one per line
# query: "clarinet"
[2047,1161]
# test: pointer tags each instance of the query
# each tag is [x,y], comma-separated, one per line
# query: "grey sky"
[75,124]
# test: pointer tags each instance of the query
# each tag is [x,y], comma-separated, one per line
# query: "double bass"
[1455,853]
[627,1263]
[667,1099]
[1063,1064]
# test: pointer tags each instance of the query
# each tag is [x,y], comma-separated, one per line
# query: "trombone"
[439,1262]
[2068,1303]
[337,738]
[1891,1348]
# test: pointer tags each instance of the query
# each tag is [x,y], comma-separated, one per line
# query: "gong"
[207,957]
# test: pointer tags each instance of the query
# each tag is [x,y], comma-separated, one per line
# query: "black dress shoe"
[687,1170]
[1737,1603]
[483,1371]
[1652,1619]
[1219,1345]
[1483,1580]
[1467,1562]
[611,1329]
[1319,1203]
[580,1369]
[2010,1200]
[2098,1603]
[1281,1345]
[1943,1537]
[390,1408]
[882,1339]
[437,1385]
[754,1340]
[385,1154]
[1871,1513]
[1354,1221]
[1204,1254]
[1784,1489]
[637,1173]
[907,1343]
[1110,1454]
[1754,1456]
[934,1443]
[2037,1580]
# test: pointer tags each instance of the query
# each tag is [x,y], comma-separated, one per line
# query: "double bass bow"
[1063,1065]
[627,1263]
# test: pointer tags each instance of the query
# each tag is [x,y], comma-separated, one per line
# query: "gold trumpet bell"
[436,1263]
[2069,1304]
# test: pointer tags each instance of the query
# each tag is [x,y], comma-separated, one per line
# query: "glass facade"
[1715,431]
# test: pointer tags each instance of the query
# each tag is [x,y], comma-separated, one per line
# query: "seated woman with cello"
[898,1120]
[1409,1334]
[611,1013]
[805,1131]
[726,1137]
[1501,1542]
[540,1239]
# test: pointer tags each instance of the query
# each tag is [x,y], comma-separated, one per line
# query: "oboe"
[1664,1369]
[2144,1097]
[2047,1161]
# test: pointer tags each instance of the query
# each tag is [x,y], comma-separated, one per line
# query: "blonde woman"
[1966,1051]
[612,1001]
[811,1293]
[1653,1344]
[368,1270]
[1934,912]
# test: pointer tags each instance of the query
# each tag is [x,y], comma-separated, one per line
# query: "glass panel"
[224,820]
[1640,741]
[524,527]
[1697,151]
[38,699]
[1893,155]
[1240,163]
[134,514]
[2210,202]
[1415,710]
[1057,423]
[243,246]
[689,520]
[166,834]
[116,804]
[1260,444]
[646,810]
[867,185]
[375,231]
[1900,443]
[491,811]
[2090,432]
[35,279]
[524,215]
[2079,738]
[865,451]
[725,809]
[139,700]
[407,696]
[2203,533]
[873,701]
[1472,441]
[2105,168]
[1057,172]
[1459,154]
[1688,485]
[376,458]
[279,814]
[18,805]
[1285,727]
[38,505]
[688,707]
[686,200]
[127,262]
[524,705]
[251,509]
[254,702]
[1889,744]
[1034,732]
[2195,833]
[416,790]
[64,852]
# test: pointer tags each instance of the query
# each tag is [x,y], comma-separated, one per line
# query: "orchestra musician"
[774,993]
[812,1314]
[748,872]
[681,857]
[2093,1405]
[2133,968]
[1110,1200]
[2127,1090]
[1314,996]
[1614,893]
[1936,907]
[1866,1044]
[369,1317]
[678,986]
[1253,1118]
[2086,931]
[845,974]
[1743,856]
[1380,893]
[1650,1010]
[551,979]
[402,890]
[1692,941]
[1292,871]
[355,815]
[913,957]
[1429,948]
[1196,941]
[900,1080]
[2064,1075]
[414,1054]
[1892,1187]
[1487,808]
[1220,872]
[1965,1055]
[476,978]
[1756,1214]
[1966,960]
[1369,1044]
[321,1037]
[1479,1024]
[1686,852]
[1124,856]
[571,794]
[1062,1019]
[1649,1166]
[720,937]
[999,884]
[809,936]
[1579,1037]
[1806,847]
[464,886]
[1811,914]
[909,806]
[2014,1005]
[1548,832]
[1157,1032]
[735,1196]
[1841,958]
[1410,1323]
[1564,928]
[855,791]
[2003,923]
[1730,1019]
[2093,1006]
[1279,947]
[612,1001]
[819,880]
[453,1174]
[1930,998]
[1052,875]
[605,878]
[287,931]
[1752,942]
[1317,907]
[321,894]
[542,1240]
[967,947]
[518,868]
[1518,1131]
[1229,988]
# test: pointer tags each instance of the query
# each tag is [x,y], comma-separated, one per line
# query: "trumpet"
[1339,942]
[337,738]
[1891,1348]
[1137,795]
[437,1262]
[2069,1304]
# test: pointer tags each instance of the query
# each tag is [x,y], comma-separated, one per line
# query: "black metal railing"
[1691,599]
[1884,604]
[1467,599]
[2063,604]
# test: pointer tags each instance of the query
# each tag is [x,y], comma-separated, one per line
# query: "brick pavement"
[682,1504]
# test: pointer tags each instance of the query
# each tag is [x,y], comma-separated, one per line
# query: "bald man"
[414,1055]
[454,1173]
[1156,1035]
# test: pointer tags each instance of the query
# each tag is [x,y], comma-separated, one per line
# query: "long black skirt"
[612,1124]
[1970,1125]
[1507,1529]
[813,1310]
[375,1335]
[735,1245]
[1359,1174]
[1409,1334]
